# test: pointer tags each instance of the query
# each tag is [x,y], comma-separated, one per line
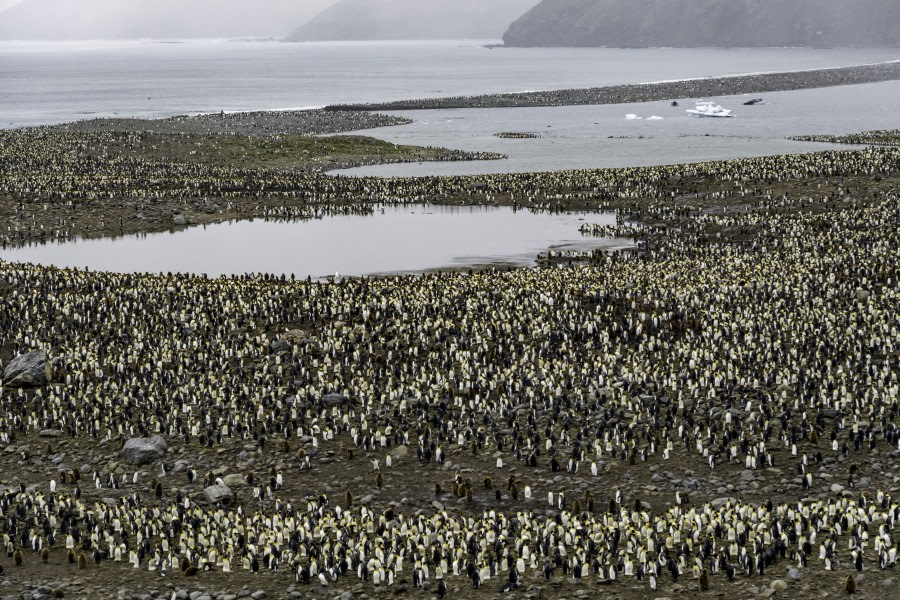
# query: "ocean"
[53,82]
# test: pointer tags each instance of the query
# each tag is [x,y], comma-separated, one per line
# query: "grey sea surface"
[583,137]
[401,239]
[55,82]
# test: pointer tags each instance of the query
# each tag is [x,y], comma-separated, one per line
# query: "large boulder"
[27,370]
[218,493]
[143,451]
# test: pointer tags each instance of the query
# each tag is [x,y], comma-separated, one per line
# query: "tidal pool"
[395,239]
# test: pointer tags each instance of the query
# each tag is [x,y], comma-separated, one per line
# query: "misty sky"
[105,19]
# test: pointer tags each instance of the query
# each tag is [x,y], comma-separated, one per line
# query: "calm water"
[43,82]
[402,239]
[600,136]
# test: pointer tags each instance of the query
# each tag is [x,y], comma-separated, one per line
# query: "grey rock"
[779,585]
[347,596]
[437,505]
[258,595]
[795,574]
[143,451]
[51,433]
[27,370]
[836,488]
[218,493]
[279,346]
[888,582]
[179,220]
[747,475]
[234,480]
[334,399]
[400,451]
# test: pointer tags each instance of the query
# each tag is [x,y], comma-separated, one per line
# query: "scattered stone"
[143,451]
[27,370]
[218,493]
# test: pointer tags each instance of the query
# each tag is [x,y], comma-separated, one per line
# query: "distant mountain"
[132,19]
[709,23]
[412,20]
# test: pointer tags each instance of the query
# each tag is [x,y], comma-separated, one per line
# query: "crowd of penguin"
[881,137]
[740,339]
[50,183]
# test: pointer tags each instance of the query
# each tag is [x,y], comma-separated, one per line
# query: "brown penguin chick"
[70,556]
[850,584]
[437,489]
[82,561]
[637,506]
[157,490]
[510,482]
[379,481]
[249,477]
[474,448]
[348,498]
[704,580]
[514,492]
[18,557]
[813,437]
[576,507]
[468,494]
[285,446]
[488,483]
[349,453]
[191,571]
[45,555]
[185,564]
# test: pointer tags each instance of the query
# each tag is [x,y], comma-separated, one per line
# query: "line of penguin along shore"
[651,92]
[714,414]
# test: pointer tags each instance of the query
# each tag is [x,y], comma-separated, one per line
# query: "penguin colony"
[773,348]
[53,189]
[890,137]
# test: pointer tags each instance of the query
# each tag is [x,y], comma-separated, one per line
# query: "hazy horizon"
[66,20]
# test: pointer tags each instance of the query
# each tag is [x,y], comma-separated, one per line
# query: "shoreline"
[732,85]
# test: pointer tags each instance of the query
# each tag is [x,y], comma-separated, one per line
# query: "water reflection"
[396,239]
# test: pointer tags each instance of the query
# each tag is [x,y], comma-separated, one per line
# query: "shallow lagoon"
[401,239]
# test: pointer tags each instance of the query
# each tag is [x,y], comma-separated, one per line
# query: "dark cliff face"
[412,20]
[708,23]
